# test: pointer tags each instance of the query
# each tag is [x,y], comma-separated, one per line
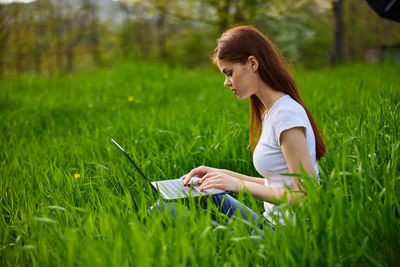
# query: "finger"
[207,176]
[215,181]
[207,183]
[188,177]
[194,172]
[213,185]
[202,185]
[201,188]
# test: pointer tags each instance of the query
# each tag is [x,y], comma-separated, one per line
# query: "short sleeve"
[287,119]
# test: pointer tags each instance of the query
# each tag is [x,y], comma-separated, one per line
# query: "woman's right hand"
[199,172]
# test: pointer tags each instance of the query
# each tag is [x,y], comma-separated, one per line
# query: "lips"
[234,91]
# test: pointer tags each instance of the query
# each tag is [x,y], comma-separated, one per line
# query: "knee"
[218,199]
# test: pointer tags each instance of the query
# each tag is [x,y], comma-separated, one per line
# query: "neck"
[268,96]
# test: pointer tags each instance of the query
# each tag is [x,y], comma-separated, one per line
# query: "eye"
[229,74]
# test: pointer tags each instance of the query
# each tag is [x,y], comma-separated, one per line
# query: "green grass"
[55,127]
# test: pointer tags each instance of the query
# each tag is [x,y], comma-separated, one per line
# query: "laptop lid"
[134,164]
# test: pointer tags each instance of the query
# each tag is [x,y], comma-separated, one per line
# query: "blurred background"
[61,36]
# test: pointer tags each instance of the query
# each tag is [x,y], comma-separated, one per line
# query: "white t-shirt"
[268,158]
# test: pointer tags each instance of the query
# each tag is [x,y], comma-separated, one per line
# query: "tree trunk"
[93,32]
[338,32]
[69,58]
[4,34]
[16,40]
[57,31]
[124,36]
[352,29]
[162,42]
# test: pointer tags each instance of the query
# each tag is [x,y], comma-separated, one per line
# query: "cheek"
[251,79]
[237,78]
[241,81]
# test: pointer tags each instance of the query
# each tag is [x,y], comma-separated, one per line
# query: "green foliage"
[137,40]
[192,48]
[314,53]
[47,36]
[365,28]
[61,126]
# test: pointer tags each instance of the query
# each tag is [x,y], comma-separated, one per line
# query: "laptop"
[173,189]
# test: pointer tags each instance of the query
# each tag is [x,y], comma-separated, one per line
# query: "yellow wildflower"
[77,175]
[130,98]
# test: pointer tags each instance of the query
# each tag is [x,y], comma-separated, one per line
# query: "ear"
[253,62]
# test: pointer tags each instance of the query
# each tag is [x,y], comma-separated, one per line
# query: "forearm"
[244,177]
[270,194]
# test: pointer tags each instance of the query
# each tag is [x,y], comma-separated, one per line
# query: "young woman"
[283,134]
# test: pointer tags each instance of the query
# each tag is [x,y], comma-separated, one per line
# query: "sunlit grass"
[69,197]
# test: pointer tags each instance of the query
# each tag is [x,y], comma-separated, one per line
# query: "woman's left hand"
[220,181]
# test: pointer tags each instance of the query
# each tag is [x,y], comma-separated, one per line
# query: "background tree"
[92,27]
[66,35]
[4,35]
[17,30]
[338,30]
[365,28]
[40,34]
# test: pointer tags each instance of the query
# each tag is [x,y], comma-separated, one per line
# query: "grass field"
[69,197]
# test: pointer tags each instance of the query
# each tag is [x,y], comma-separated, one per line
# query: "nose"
[227,82]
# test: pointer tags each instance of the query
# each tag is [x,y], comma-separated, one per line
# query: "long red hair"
[236,45]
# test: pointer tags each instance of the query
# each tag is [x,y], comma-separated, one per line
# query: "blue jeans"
[226,204]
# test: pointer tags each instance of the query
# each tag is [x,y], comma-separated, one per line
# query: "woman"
[283,134]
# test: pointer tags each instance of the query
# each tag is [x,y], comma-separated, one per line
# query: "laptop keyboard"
[174,188]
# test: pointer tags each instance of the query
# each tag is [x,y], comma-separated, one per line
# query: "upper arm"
[294,147]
